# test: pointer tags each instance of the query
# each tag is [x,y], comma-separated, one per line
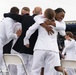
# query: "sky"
[67,5]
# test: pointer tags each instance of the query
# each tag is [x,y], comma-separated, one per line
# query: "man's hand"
[19,32]
[47,27]
[27,45]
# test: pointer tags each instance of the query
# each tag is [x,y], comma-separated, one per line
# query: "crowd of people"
[35,39]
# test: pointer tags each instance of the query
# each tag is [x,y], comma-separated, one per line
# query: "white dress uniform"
[6,34]
[70,51]
[64,26]
[46,48]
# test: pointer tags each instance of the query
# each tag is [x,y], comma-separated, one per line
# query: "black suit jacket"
[26,21]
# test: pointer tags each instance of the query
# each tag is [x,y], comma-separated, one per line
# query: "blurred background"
[67,5]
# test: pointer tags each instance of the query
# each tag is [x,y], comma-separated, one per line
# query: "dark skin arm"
[47,27]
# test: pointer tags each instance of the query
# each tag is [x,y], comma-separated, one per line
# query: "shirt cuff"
[15,35]
[26,41]
[38,20]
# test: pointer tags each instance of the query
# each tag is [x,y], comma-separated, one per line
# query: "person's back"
[27,21]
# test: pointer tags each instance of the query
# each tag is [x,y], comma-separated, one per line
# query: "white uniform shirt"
[6,31]
[44,41]
[69,49]
[17,26]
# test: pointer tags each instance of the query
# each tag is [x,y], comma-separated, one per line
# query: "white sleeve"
[29,32]
[60,26]
[64,51]
[39,19]
[68,45]
[9,31]
[62,32]
[17,26]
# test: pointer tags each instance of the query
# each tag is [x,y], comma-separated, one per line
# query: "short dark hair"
[58,10]
[49,13]
[14,10]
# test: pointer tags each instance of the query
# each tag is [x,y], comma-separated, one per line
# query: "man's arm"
[40,21]
[29,32]
[47,27]
[60,26]
[50,22]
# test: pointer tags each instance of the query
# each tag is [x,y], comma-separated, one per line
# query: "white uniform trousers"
[48,58]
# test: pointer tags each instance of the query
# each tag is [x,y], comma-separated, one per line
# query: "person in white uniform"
[60,14]
[7,34]
[46,49]
[69,50]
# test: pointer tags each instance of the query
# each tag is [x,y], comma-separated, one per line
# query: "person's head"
[37,10]
[14,10]
[49,13]
[25,10]
[60,14]
[69,35]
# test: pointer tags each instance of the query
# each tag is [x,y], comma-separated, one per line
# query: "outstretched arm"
[47,27]
[29,32]
[39,20]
